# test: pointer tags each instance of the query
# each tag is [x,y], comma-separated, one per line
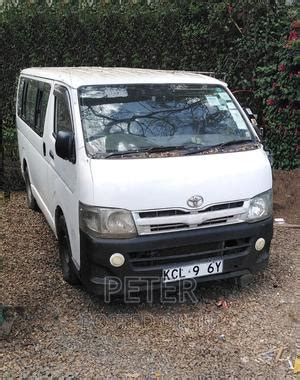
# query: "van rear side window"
[33,99]
[30,103]
[21,95]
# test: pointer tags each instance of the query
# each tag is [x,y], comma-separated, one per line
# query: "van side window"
[21,93]
[63,120]
[30,103]
[41,107]
[33,99]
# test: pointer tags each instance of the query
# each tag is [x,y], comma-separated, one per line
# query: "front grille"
[224,206]
[216,221]
[177,226]
[172,212]
[171,220]
[178,255]
[158,213]
[167,227]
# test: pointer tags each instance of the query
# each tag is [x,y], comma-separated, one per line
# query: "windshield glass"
[123,118]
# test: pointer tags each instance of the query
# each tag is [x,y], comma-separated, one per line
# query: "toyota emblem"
[195,201]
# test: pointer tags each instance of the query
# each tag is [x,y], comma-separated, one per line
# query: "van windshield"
[138,118]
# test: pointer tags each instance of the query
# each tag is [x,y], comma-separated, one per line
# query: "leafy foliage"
[279,91]
[231,40]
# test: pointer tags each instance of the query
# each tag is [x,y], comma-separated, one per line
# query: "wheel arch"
[58,214]
[24,164]
[24,167]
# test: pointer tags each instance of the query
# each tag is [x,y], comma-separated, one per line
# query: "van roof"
[84,76]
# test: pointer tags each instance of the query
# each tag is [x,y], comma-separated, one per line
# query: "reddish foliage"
[296,24]
[282,67]
[270,102]
[293,36]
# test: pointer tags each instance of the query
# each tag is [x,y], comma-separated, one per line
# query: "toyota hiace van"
[144,174]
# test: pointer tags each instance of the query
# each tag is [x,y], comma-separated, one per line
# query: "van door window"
[63,120]
[41,107]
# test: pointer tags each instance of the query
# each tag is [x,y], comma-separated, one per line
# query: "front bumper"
[147,255]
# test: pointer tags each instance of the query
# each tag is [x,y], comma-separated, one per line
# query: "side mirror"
[65,145]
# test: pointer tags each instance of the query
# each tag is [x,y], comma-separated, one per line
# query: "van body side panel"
[31,151]
[65,197]
[63,186]
[32,146]
[54,181]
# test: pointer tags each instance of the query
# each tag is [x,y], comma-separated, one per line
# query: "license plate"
[192,271]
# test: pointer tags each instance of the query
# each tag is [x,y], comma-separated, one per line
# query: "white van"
[144,174]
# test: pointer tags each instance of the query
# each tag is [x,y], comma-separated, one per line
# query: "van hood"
[155,183]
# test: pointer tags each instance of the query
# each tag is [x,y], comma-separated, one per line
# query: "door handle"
[51,154]
[44,149]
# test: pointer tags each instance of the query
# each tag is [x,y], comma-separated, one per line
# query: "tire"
[65,254]
[31,202]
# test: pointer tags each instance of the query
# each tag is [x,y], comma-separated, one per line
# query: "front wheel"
[65,254]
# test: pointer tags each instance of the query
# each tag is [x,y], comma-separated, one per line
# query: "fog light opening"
[117,259]
[260,244]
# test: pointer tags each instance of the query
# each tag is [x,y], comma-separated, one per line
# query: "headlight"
[106,222]
[261,206]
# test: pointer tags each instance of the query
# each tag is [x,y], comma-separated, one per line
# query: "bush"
[231,40]
[279,91]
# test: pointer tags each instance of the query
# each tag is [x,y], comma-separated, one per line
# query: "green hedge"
[231,40]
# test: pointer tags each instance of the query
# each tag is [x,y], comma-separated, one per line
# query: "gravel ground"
[60,331]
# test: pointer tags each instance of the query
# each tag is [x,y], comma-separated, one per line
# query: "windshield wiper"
[236,142]
[227,143]
[157,149]
[153,149]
